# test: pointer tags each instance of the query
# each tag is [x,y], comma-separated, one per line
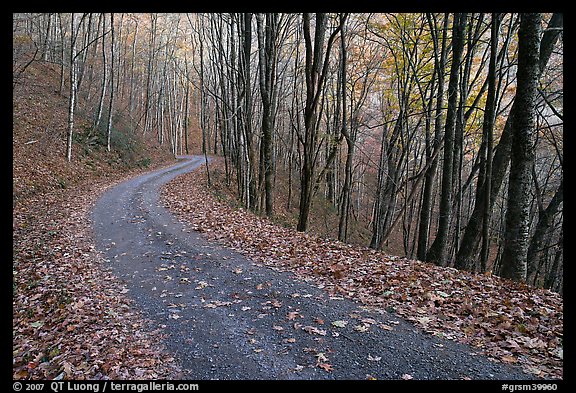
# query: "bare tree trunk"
[46,39]
[438,249]
[111,102]
[267,35]
[186,107]
[104,78]
[149,76]
[426,208]
[62,53]
[514,256]
[72,97]
[472,233]
[488,128]
[203,114]
[316,66]
[350,140]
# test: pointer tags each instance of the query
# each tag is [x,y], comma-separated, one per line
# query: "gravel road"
[226,318]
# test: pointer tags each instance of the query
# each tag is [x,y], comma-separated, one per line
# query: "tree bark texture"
[438,249]
[516,235]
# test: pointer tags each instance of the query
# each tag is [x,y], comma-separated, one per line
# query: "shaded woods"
[434,136]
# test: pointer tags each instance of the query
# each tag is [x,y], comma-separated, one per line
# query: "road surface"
[225,318]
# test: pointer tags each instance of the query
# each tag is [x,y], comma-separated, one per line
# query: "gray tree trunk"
[104,79]
[516,234]
[438,249]
[267,34]
[72,97]
[425,210]
[471,238]
[316,66]
[111,103]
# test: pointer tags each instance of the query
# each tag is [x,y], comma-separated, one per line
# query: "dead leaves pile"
[71,319]
[507,321]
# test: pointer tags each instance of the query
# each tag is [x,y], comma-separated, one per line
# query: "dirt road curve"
[226,318]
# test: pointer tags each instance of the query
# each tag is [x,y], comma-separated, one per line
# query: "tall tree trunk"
[149,76]
[501,159]
[62,53]
[514,256]
[203,112]
[186,109]
[485,153]
[438,249]
[111,102]
[72,96]
[316,66]
[267,35]
[45,44]
[487,133]
[246,110]
[429,180]
[345,200]
[104,78]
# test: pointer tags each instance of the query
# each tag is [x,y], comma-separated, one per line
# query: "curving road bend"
[227,318]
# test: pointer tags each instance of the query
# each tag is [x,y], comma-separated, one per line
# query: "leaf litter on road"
[484,311]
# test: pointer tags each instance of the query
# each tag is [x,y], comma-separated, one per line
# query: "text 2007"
[34,386]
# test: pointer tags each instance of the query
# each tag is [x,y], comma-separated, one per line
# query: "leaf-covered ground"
[71,319]
[509,322]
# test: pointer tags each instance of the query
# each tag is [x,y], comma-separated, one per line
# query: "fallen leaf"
[368,321]
[443,294]
[326,367]
[340,324]
[292,315]
[201,285]
[321,357]
[509,359]
[314,330]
